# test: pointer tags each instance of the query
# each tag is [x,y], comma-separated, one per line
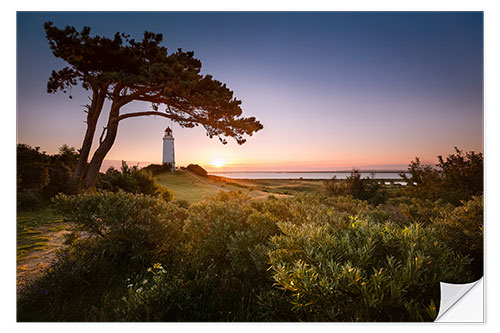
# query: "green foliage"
[134,228]
[390,273]
[336,187]
[146,70]
[453,180]
[196,169]
[133,180]
[228,258]
[156,296]
[462,229]
[32,168]
[115,235]
[157,169]
[359,188]
[41,176]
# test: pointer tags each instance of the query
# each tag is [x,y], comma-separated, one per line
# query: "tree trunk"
[104,147]
[98,97]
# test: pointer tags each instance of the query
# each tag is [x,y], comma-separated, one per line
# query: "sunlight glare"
[218,162]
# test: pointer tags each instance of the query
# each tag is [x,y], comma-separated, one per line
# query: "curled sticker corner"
[452,294]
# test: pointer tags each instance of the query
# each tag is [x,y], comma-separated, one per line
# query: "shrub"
[224,267]
[158,295]
[229,258]
[359,188]
[453,180]
[133,180]
[32,168]
[462,230]
[196,169]
[41,176]
[157,169]
[336,187]
[29,199]
[363,272]
[135,228]
[115,236]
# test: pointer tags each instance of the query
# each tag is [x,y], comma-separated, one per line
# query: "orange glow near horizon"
[218,162]
[343,99]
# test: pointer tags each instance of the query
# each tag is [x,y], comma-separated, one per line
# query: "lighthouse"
[168,148]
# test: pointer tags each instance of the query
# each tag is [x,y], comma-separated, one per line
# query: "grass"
[193,188]
[186,187]
[27,221]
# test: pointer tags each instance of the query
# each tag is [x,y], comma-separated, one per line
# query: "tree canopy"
[123,70]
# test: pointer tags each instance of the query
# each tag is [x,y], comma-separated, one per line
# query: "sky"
[334,90]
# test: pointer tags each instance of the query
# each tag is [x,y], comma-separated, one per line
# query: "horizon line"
[325,171]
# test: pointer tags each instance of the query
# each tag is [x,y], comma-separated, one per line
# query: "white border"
[492,108]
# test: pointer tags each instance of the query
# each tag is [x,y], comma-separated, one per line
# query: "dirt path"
[35,260]
[201,180]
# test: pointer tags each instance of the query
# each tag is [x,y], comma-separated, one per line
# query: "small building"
[168,148]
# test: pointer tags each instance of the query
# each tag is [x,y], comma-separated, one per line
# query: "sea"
[393,175]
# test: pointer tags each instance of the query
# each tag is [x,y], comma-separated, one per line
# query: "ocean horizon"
[376,174]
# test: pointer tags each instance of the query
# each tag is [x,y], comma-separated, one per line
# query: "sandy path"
[35,261]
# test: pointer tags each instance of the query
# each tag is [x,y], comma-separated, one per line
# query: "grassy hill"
[191,187]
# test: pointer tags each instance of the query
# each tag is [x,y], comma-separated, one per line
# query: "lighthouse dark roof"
[168,130]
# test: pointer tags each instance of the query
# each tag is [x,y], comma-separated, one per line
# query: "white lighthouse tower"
[168,148]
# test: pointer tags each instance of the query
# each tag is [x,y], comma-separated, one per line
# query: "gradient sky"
[334,90]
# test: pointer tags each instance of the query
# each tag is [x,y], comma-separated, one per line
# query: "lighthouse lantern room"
[168,148]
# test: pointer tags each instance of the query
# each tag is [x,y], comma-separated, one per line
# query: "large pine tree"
[124,70]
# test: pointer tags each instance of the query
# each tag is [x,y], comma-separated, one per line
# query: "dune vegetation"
[342,250]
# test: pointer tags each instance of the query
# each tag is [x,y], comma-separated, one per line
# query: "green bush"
[458,178]
[133,180]
[115,236]
[41,176]
[336,187]
[462,230]
[157,169]
[135,257]
[224,267]
[359,188]
[363,271]
[135,228]
[32,168]
[29,199]
[158,295]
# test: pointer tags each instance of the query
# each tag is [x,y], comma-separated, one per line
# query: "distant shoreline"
[361,171]
[380,175]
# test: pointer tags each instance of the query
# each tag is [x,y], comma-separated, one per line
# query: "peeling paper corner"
[461,303]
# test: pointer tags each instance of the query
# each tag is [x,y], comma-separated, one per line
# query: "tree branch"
[149,113]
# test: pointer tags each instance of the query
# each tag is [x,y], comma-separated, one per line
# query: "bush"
[157,169]
[135,228]
[157,296]
[133,180]
[32,168]
[196,169]
[41,176]
[458,178]
[29,199]
[224,267]
[359,188]
[115,236]
[462,230]
[336,187]
[134,257]
[363,271]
